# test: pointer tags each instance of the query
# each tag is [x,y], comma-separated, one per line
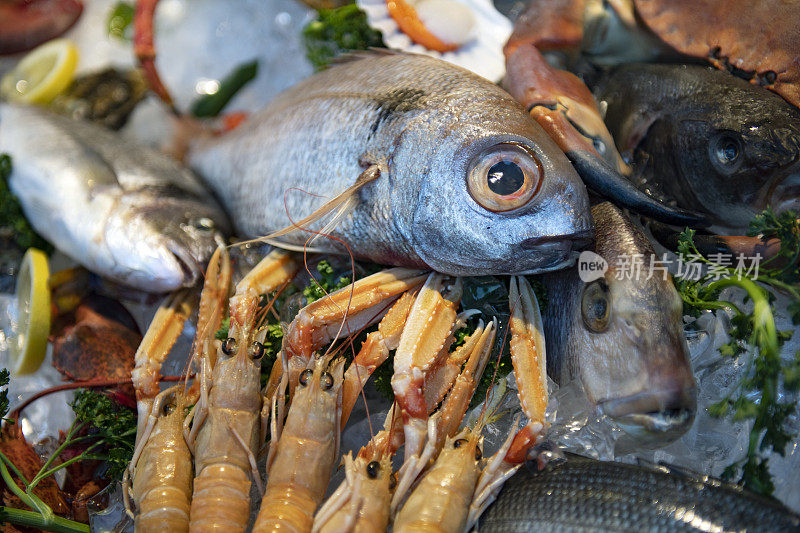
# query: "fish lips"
[653,417]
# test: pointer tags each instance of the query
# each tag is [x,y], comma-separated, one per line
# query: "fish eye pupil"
[373,469]
[599,307]
[305,375]
[727,150]
[229,346]
[505,178]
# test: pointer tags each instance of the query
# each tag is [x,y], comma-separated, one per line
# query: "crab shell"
[758,39]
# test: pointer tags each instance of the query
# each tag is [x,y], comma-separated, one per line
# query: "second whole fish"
[621,334]
[463,181]
[123,211]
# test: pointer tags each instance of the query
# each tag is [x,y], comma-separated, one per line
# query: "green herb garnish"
[119,20]
[756,396]
[211,105]
[327,283]
[337,31]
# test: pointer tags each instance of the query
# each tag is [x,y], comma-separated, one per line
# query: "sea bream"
[621,334]
[449,172]
[123,211]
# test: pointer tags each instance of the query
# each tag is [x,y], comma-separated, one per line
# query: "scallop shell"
[483,54]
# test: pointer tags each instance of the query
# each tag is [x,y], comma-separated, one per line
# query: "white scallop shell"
[483,54]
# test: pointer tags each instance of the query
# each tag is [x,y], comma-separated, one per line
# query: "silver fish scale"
[420,120]
[587,495]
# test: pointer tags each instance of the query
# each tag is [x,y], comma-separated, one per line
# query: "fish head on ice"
[163,242]
[498,196]
[632,357]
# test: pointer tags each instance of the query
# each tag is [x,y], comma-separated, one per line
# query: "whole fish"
[123,211]
[622,334]
[451,173]
[706,139]
[587,495]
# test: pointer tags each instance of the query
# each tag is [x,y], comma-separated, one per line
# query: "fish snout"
[657,415]
[786,194]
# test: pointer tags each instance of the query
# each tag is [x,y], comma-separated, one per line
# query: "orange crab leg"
[145,50]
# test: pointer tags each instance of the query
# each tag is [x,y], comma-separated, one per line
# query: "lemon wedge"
[28,349]
[42,74]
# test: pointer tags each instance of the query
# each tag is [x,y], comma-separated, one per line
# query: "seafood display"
[131,213]
[622,336]
[395,295]
[738,144]
[646,498]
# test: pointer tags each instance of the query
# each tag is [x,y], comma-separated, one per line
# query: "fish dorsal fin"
[342,202]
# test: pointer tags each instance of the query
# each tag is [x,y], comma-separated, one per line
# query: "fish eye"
[373,469]
[256,350]
[326,381]
[229,346]
[305,375]
[595,306]
[504,177]
[725,152]
[459,443]
[203,224]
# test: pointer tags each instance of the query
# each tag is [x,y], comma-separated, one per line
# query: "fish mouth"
[786,195]
[560,251]
[189,265]
[653,417]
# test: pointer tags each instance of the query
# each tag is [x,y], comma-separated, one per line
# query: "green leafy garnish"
[119,20]
[104,429]
[110,427]
[211,105]
[756,396]
[337,31]
[12,219]
[327,283]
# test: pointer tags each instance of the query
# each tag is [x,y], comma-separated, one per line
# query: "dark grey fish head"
[721,145]
[497,196]
[623,336]
[178,235]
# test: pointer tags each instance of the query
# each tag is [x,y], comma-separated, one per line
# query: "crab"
[755,41]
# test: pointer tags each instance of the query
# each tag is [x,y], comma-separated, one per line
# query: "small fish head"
[174,239]
[739,157]
[635,365]
[498,197]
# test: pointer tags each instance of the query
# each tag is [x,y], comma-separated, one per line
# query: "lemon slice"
[28,349]
[42,74]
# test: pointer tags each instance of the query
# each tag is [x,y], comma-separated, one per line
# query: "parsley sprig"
[756,396]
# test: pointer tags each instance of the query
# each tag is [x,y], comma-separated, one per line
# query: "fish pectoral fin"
[342,203]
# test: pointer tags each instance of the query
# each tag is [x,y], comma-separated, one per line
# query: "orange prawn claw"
[529,359]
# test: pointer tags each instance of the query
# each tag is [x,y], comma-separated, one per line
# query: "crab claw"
[565,108]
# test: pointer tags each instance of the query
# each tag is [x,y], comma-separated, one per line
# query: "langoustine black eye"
[305,376]
[229,346]
[256,350]
[373,469]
